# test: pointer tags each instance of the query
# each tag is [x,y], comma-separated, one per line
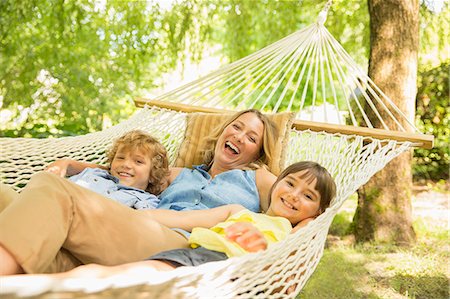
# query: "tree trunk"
[384,205]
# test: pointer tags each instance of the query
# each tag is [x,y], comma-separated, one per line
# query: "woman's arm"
[69,167]
[264,181]
[187,220]
[174,172]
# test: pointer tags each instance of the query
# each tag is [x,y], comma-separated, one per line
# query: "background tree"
[67,67]
[73,67]
[384,204]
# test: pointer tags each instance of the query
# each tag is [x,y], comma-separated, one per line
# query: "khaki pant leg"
[64,261]
[53,213]
[7,195]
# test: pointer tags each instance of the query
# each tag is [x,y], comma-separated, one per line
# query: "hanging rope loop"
[321,19]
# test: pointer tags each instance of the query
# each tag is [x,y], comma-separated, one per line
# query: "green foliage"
[341,225]
[67,68]
[73,67]
[434,33]
[433,117]
[251,25]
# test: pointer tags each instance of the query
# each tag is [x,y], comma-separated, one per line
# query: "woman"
[55,225]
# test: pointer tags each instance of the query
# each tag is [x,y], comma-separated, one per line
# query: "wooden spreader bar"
[419,140]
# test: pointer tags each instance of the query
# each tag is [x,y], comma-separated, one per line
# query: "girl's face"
[131,167]
[295,197]
[240,142]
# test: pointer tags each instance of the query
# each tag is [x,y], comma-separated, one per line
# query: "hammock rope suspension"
[308,64]
[307,72]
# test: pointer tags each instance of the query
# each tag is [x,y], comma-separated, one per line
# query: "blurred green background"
[73,67]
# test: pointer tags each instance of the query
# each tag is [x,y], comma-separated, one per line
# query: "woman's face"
[240,142]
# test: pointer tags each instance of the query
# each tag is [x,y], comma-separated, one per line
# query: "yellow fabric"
[273,228]
[201,125]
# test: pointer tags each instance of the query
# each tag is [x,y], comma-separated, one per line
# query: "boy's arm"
[70,167]
[187,220]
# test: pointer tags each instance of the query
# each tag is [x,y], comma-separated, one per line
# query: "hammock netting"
[307,72]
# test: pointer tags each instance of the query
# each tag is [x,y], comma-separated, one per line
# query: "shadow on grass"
[435,287]
[338,275]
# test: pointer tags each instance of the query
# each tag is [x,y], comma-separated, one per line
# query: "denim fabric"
[102,182]
[194,189]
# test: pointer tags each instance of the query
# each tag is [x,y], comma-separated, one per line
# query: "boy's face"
[131,167]
[295,197]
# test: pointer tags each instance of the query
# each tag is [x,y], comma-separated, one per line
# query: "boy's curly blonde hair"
[138,139]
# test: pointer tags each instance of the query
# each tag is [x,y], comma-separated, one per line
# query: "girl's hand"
[247,236]
[59,167]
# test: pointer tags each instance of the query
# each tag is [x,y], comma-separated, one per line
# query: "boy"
[138,168]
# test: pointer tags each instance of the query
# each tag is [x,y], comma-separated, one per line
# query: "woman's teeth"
[232,147]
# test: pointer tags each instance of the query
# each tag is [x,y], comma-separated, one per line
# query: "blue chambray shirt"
[194,189]
[102,182]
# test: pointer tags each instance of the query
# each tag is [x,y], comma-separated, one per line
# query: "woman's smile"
[233,148]
[240,142]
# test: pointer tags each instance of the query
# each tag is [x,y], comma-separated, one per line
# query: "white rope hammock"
[307,71]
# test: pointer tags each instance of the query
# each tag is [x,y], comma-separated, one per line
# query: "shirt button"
[95,180]
[109,192]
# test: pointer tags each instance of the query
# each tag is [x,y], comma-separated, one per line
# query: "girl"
[301,193]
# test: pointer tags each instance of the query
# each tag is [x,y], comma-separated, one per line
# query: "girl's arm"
[264,181]
[69,167]
[187,220]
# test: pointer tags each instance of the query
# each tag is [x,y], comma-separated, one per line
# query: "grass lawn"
[347,270]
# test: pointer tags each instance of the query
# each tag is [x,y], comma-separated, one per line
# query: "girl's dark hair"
[325,184]
[138,139]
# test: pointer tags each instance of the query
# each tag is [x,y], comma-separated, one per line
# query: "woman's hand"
[59,167]
[247,236]
[69,167]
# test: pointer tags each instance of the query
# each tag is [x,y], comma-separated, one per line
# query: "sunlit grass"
[384,271]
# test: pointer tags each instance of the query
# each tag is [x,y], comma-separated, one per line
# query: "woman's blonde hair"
[270,136]
[140,140]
